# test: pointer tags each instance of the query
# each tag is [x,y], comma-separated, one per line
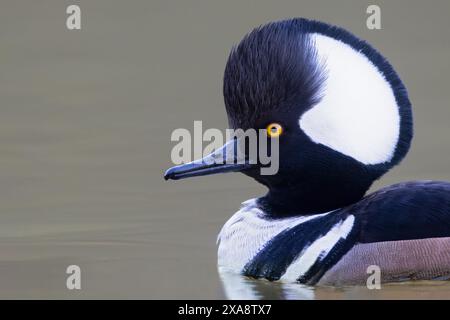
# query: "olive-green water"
[85,123]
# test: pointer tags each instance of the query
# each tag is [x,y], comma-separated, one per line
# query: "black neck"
[312,198]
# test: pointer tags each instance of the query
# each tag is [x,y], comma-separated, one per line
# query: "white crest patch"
[246,232]
[318,249]
[357,115]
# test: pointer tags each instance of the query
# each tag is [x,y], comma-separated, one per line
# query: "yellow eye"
[274,130]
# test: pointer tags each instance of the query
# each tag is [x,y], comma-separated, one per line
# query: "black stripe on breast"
[318,269]
[277,254]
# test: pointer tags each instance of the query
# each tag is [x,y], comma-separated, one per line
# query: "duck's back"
[404,229]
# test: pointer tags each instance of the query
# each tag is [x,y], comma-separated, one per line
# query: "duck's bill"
[228,158]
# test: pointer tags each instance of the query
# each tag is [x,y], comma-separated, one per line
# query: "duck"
[343,119]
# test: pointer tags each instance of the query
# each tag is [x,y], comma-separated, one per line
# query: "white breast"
[246,232]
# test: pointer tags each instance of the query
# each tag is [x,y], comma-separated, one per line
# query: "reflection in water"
[238,287]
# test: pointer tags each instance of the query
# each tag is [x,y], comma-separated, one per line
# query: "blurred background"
[85,123]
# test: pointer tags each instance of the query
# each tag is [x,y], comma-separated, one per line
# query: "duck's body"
[346,120]
[404,229]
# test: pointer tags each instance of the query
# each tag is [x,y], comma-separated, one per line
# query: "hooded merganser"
[346,120]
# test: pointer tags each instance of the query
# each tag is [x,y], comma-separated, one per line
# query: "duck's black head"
[344,112]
